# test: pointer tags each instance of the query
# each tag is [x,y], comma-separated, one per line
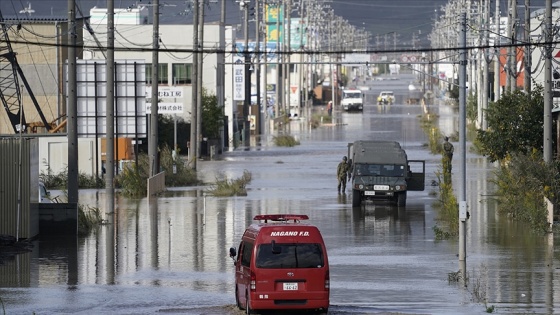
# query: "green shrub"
[522,184]
[88,219]
[447,209]
[285,141]
[60,180]
[183,175]
[225,187]
[428,123]
[317,119]
[133,179]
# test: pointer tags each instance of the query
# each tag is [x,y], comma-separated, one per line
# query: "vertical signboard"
[274,23]
[239,80]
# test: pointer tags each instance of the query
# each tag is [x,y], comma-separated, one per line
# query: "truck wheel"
[401,199]
[356,198]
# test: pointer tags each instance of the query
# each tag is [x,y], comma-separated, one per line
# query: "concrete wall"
[58,219]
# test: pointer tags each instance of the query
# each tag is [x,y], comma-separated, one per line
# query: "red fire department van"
[281,264]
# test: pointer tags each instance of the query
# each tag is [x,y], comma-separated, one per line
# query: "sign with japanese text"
[239,80]
[166,108]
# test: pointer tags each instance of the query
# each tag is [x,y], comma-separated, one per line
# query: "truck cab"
[382,170]
[352,100]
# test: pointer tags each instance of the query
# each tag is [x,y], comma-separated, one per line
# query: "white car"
[386,97]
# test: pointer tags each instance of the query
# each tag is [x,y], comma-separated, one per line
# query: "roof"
[378,152]
[37,19]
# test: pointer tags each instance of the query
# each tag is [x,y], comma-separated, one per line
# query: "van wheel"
[401,199]
[237,299]
[356,198]
[248,309]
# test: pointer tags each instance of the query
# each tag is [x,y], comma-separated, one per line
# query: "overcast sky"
[407,19]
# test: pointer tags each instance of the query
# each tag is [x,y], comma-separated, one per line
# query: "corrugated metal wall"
[16,273]
[17,157]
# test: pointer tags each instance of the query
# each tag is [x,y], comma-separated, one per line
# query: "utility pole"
[72,110]
[547,134]
[110,109]
[247,59]
[258,50]
[511,82]
[199,89]
[331,53]
[486,65]
[221,65]
[193,148]
[265,77]
[480,64]
[288,33]
[279,16]
[497,54]
[462,144]
[153,142]
[527,81]
[302,97]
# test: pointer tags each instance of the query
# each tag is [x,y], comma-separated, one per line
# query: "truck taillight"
[327,281]
[253,283]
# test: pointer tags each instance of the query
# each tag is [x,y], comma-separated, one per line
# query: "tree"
[212,116]
[515,125]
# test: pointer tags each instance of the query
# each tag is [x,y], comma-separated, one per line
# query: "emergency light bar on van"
[280,217]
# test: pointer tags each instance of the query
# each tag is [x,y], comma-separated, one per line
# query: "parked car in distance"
[386,97]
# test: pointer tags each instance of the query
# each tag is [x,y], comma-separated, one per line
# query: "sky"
[385,20]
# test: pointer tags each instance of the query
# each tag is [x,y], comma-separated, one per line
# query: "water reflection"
[170,252]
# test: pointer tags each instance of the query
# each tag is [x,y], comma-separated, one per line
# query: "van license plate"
[369,193]
[290,286]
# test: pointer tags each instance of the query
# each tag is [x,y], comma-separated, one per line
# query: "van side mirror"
[232,252]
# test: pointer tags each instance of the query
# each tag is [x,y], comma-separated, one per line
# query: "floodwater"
[170,254]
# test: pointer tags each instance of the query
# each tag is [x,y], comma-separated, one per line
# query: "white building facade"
[133,38]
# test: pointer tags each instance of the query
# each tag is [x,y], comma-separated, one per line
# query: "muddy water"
[170,253]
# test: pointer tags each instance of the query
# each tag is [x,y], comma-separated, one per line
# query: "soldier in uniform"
[342,174]
[448,153]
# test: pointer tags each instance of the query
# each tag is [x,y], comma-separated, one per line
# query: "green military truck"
[382,170]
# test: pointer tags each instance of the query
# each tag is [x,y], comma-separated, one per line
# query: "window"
[163,73]
[290,256]
[246,255]
[182,73]
[379,170]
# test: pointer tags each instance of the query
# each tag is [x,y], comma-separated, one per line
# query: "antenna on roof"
[28,9]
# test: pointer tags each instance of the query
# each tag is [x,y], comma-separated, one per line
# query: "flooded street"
[170,254]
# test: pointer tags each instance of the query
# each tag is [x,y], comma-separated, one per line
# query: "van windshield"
[292,255]
[351,95]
